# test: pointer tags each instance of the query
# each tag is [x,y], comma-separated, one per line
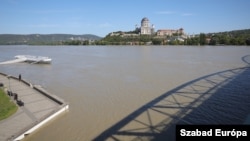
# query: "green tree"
[157,41]
[241,41]
[233,41]
[248,41]
[86,42]
[202,39]
[213,41]
[224,39]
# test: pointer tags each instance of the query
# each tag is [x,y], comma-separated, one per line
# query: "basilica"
[148,29]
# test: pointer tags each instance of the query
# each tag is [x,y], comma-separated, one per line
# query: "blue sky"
[101,17]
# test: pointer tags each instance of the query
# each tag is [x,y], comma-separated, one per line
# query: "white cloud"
[165,12]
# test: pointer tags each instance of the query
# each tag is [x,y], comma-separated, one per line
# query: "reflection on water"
[104,84]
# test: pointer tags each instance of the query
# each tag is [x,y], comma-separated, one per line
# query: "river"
[104,84]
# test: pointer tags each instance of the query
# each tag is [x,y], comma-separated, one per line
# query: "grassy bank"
[7,107]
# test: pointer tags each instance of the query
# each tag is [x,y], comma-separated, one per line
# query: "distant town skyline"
[100,17]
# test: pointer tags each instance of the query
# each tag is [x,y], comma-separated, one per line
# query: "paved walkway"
[37,107]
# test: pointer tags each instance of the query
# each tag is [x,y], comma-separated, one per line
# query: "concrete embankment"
[39,107]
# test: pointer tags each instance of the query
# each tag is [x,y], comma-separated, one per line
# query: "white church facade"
[146,28]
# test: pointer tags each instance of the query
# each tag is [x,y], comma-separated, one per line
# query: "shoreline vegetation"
[7,107]
[235,37]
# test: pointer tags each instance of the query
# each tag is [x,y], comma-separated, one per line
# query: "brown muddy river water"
[105,84]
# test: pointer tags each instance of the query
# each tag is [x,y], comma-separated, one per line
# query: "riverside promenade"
[39,108]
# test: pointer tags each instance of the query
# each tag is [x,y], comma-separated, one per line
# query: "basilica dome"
[144,19]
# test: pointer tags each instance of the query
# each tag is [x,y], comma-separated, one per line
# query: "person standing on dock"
[20,77]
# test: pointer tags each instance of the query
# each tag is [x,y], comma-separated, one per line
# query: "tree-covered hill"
[235,37]
[43,39]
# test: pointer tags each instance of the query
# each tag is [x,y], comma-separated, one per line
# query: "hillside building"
[169,32]
[146,28]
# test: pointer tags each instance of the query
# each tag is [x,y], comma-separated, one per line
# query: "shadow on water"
[218,98]
[246,59]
